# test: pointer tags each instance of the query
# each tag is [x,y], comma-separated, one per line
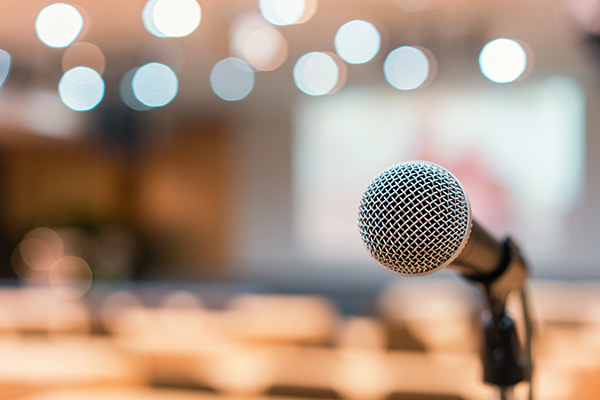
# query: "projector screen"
[518,150]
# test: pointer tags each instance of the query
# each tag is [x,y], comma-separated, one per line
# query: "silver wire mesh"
[413,217]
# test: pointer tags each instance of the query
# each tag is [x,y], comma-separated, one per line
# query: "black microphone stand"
[506,362]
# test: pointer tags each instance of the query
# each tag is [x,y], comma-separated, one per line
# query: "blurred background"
[180,180]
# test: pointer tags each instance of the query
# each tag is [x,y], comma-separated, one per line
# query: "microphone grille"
[414,218]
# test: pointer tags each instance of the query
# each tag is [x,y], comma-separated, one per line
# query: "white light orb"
[171,18]
[282,12]
[502,60]
[81,88]
[126,92]
[357,41]
[406,68]
[155,85]
[176,18]
[232,79]
[58,25]
[4,66]
[316,73]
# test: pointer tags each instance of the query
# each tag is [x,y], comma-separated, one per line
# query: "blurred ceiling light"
[148,19]
[58,25]
[171,18]
[244,25]
[502,60]
[155,84]
[83,54]
[316,73]
[265,49]
[4,66]
[126,92]
[406,68]
[342,71]
[70,278]
[357,41]
[81,88]
[232,79]
[256,41]
[433,66]
[287,12]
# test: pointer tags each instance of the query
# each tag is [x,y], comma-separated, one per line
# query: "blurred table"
[419,343]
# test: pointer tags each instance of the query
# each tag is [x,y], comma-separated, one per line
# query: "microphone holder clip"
[506,361]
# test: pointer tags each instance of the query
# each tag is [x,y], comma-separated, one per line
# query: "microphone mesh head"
[414,218]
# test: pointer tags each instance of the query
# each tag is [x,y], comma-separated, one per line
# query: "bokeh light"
[81,88]
[502,60]
[83,54]
[171,18]
[148,19]
[232,79]
[4,66]
[258,42]
[342,71]
[37,252]
[265,49]
[58,25]
[126,92]
[287,12]
[50,236]
[155,85]
[406,68]
[357,41]
[316,73]
[70,278]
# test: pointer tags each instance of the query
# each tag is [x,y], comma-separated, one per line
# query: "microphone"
[415,219]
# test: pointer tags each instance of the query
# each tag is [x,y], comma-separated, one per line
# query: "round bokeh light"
[58,25]
[232,79]
[502,60]
[5,61]
[155,85]
[406,68]
[283,12]
[357,41]
[81,88]
[171,18]
[316,73]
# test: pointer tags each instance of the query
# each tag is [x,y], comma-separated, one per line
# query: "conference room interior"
[179,191]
